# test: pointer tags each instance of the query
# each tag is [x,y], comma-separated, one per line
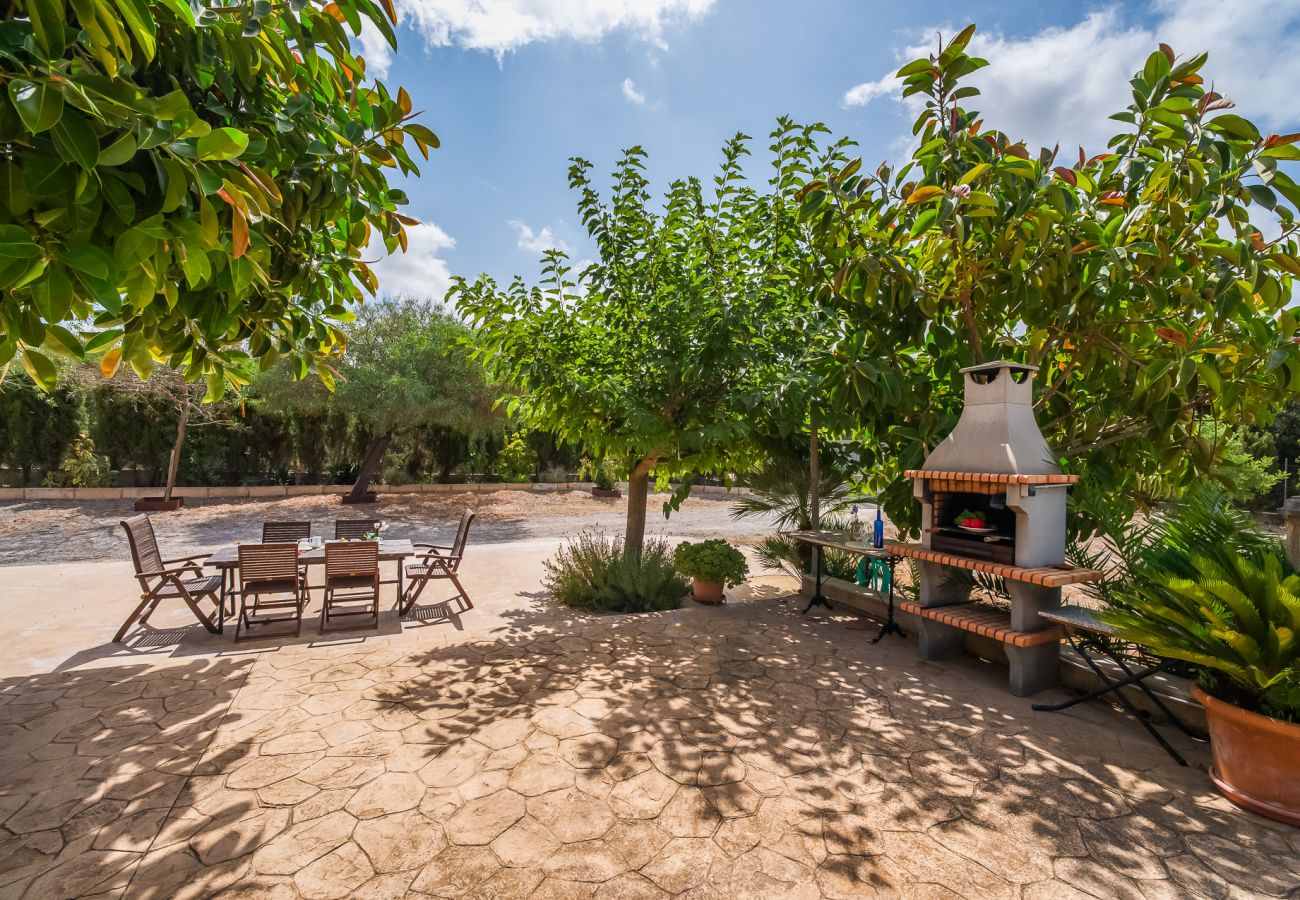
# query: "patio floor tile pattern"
[733,752]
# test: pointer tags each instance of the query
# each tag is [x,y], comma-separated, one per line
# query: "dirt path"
[87,531]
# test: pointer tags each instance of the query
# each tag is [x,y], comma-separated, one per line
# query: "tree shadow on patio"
[795,754]
[93,763]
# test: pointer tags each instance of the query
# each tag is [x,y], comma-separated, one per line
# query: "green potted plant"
[604,475]
[1230,605]
[711,564]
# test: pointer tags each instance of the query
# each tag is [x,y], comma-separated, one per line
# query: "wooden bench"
[1033,655]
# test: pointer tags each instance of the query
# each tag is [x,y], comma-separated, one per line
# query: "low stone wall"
[38,494]
[1075,675]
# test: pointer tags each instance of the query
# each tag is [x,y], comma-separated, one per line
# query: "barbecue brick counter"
[994,463]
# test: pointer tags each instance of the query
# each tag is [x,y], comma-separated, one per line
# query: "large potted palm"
[1227,600]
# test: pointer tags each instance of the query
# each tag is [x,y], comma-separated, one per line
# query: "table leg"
[221,603]
[400,565]
[817,599]
[1115,687]
[890,626]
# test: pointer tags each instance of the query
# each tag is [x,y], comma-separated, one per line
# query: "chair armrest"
[434,546]
[168,562]
[165,573]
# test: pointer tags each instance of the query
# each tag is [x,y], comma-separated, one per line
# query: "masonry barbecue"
[996,465]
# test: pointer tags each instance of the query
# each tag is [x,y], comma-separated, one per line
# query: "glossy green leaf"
[222,143]
[38,105]
[48,26]
[16,243]
[40,369]
[141,23]
[76,141]
[119,151]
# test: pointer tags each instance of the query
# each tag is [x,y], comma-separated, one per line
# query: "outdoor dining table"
[226,560]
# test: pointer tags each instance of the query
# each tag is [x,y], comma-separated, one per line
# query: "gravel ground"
[89,531]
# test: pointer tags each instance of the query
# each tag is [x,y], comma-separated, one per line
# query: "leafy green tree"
[192,182]
[408,365]
[36,428]
[1133,277]
[660,352]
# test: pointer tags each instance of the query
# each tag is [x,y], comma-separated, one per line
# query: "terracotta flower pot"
[158,504]
[707,591]
[1256,759]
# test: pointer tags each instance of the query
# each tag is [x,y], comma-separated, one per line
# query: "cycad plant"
[779,493]
[1202,584]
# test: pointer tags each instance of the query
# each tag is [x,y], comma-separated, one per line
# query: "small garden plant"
[712,562]
[597,573]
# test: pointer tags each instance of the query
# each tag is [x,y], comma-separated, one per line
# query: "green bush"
[594,572]
[715,562]
[604,473]
[81,467]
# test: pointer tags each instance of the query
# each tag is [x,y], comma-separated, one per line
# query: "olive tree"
[192,182]
[408,367]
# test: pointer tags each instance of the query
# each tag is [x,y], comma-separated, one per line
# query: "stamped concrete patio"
[733,752]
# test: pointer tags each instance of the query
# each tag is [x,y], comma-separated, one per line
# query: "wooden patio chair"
[438,561]
[351,584]
[354,529]
[163,579]
[284,532]
[270,569]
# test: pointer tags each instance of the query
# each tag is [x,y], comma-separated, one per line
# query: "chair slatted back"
[462,536]
[352,558]
[354,529]
[144,545]
[282,532]
[268,562]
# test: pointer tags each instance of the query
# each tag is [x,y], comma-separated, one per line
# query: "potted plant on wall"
[604,475]
[712,565]
[1230,605]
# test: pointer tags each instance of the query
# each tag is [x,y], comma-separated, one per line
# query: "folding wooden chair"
[162,579]
[351,583]
[270,569]
[437,562]
[284,532]
[354,529]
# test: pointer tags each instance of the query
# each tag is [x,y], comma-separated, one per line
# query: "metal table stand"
[890,626]
[1087,635]
[818,598]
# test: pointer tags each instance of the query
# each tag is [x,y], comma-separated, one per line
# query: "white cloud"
[499,26]
[374,50]
[1061,84]
[419,272]
[862,94]
[537,241]
[631,93]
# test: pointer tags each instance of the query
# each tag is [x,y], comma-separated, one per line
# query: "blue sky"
[515,87]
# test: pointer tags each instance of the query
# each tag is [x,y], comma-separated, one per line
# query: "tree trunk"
[370,464]
[814,489]
[814,475]
[174,463]
[638,488]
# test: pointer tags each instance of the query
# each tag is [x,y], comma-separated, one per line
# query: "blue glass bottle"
[878,531]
